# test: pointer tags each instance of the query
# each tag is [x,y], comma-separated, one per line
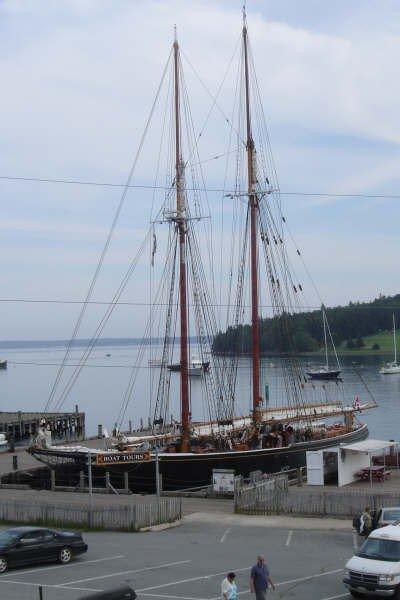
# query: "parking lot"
[189,562]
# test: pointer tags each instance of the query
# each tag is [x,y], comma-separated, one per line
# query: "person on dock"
[260,579]
[229,588]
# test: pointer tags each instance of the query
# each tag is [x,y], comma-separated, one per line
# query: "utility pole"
[90,482]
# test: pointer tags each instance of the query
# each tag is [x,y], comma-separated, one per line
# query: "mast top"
[175,37]
[244,15]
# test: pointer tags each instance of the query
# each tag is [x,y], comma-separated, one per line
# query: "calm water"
[99,391]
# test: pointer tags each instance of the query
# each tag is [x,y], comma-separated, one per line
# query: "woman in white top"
[228,588]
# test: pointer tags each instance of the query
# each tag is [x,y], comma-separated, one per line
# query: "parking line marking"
[300,579]
[289,538]
[309,577]
[72,564]
[338,596]
[176,597]
[223,538]
[48,585]
[179,562]
[157,587]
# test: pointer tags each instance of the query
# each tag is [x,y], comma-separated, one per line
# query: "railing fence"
[274,496]
[130,517]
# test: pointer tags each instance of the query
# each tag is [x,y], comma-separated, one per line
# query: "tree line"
[303,332]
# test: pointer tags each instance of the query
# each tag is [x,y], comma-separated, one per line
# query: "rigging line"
[214,97]
[110,233]
[211,189]
[92,342]
[305,307]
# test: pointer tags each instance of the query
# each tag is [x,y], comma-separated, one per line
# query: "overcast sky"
[78,79]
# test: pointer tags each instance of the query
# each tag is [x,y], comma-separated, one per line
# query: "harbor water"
[101,387]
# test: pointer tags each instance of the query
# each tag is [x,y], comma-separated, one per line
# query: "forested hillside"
[303,332]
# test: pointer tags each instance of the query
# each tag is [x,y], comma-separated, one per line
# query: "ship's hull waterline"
[181,471]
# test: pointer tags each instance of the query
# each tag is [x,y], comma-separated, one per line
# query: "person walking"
[229,588]
[366,522]
[260,579]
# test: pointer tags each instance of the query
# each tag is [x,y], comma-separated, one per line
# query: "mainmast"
[181,225]
[253,203]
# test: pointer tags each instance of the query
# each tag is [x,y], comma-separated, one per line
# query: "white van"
[375,569]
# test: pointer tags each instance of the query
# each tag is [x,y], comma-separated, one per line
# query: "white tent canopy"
[371,447]
[368,446]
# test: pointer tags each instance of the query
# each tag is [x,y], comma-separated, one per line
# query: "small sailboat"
[325,372]
[3,363]
[392,367]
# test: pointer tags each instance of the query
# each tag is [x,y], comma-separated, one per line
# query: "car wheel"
[65,556]
[396,595]
[356,594]
[3,564]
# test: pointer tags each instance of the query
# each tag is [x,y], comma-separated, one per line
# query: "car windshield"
[8,536]
[379,549]
[392,514]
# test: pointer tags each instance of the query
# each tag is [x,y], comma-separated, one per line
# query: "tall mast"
[181,225]
[325,337]
[394,339]
[253,203]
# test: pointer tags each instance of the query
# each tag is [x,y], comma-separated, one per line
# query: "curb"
[162,526]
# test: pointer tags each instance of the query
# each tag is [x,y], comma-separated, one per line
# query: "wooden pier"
[22,426]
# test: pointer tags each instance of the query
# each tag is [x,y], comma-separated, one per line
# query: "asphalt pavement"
[188,562]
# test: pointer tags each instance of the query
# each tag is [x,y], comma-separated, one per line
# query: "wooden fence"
[271,498]
[249,498]
[129,517]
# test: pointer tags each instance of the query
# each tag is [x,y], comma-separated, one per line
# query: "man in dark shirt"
[260,579]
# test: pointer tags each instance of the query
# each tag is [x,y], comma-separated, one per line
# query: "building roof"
[368,446]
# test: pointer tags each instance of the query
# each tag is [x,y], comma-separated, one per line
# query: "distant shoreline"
[80,343]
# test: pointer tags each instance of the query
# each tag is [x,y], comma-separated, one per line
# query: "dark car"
[29,545]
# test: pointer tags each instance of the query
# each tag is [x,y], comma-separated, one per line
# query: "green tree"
[350,344]
[304,342]
[376,347]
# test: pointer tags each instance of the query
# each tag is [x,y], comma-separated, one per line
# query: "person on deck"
[260,579]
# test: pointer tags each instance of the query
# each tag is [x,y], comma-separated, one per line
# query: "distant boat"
[393,367]
[108,355]
[195,369]
[325,372]
[3,363]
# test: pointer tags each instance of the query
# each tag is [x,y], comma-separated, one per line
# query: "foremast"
[182,233]
[253,207]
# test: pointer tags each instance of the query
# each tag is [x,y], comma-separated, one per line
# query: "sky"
[78,82]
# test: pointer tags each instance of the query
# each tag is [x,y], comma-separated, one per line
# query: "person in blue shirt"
[260,579]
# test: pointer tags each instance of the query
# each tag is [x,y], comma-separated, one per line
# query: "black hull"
[323,376]
[181,471]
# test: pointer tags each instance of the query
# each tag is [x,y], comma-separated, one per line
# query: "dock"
[21,426]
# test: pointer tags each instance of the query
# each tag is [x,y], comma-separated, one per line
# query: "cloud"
[78,81]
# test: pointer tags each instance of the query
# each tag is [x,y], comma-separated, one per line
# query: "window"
[380,549]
